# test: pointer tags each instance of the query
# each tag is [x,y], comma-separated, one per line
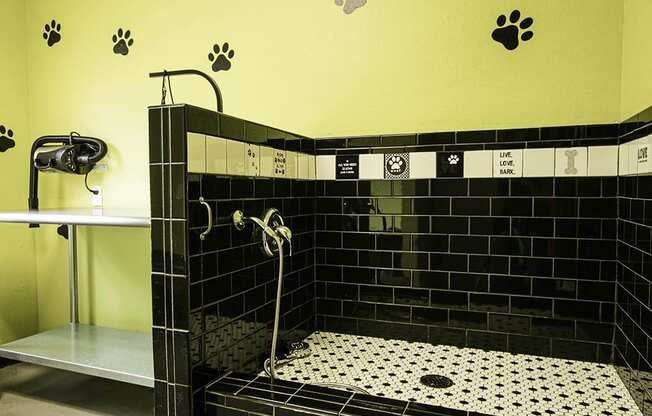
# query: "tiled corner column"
[633,337]
[170,287]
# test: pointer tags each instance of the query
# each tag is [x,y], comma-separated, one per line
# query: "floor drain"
[436,381]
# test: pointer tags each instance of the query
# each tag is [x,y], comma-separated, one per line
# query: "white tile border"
[538,163]
[325,167]
[479,164]
[223,156]
[422,165]
[603,161]
[196,152]
[372,166]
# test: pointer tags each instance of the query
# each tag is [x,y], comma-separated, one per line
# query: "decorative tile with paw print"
[252,160]
[450,164]
[397,166]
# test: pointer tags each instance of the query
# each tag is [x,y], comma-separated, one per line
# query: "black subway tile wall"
[233,284]
[633,337]
[527,138]
[170,272]
[213,299]
[528,265]
[484,268]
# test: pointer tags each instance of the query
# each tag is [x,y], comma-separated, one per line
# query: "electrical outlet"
[96,200]
[101,167]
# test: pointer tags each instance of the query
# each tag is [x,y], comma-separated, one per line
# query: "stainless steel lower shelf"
[103,352]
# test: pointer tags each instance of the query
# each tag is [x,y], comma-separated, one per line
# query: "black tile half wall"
[523,265]
[233,285]
[633,335]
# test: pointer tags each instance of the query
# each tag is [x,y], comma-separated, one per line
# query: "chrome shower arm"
[240,222]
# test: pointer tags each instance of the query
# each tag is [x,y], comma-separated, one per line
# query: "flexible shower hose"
[277,312]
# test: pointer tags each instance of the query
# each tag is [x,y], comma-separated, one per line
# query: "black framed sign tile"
[347,167]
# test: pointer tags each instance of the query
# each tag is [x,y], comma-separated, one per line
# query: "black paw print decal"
[52,32]
[6,141]
[453,159]
[351,5]
[222,58]
[509,35]
[122,41]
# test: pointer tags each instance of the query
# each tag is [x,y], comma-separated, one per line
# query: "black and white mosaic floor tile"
[483,381]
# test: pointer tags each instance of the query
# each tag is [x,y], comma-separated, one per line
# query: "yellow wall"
[637,57]
[392,66]
[18,315]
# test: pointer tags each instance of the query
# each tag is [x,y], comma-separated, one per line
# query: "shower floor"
[483,381]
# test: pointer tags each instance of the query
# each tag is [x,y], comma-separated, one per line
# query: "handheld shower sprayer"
[274,235]
[271,229]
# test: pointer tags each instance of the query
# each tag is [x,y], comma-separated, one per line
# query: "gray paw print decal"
[221,57]
[350,5]
[52,32]
[122,41]
[6,141]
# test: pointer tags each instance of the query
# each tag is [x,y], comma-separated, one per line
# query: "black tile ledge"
[239,394]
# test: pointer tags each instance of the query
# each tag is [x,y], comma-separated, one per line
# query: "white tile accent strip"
[571,161]
[326,167]
[603,161]
[196,144]
[215,155]
[266,161]
[643,162]
[490,382]
[422,165]
[632,149]
[371,166]
[623,159]
[478,164]
[508,163]
[303,166]
[312,167]
[538,163]
[291,164]
[235,157]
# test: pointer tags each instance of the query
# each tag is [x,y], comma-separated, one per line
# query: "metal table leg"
[72,274]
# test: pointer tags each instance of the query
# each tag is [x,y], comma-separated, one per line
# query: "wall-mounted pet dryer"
[64,154]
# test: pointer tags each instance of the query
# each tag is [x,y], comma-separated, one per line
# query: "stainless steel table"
[104,352]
